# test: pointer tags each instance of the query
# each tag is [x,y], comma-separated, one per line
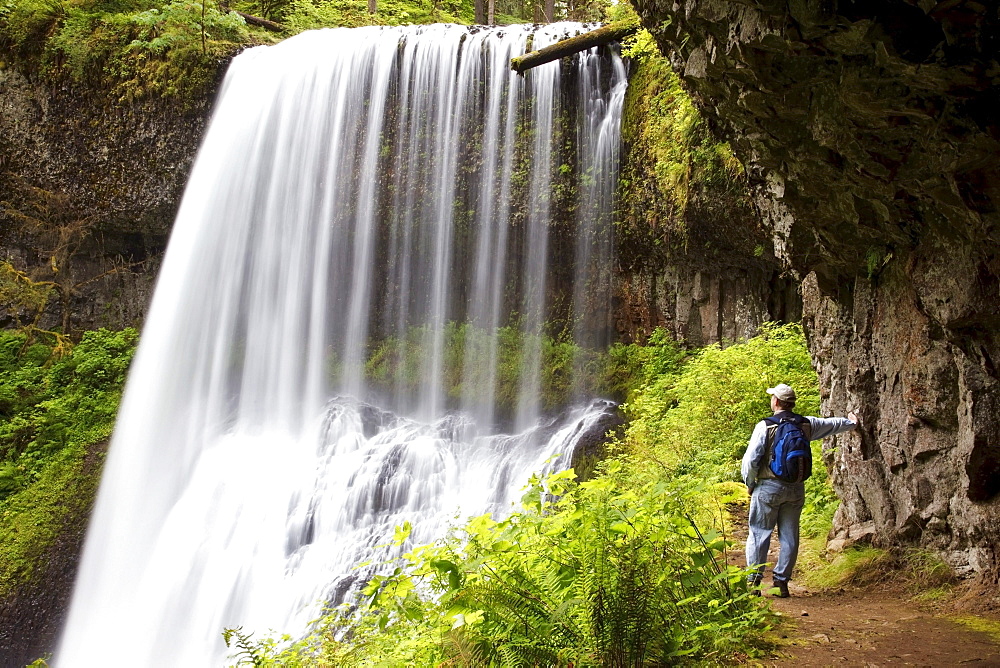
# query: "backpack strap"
[764,470]
[787,416]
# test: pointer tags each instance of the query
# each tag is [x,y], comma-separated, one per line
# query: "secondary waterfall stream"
[365,203]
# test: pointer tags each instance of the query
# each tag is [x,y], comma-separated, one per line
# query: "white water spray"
[353,186]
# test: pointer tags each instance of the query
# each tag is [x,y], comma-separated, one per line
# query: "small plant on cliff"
[24,301]
[56,230]
[59,230]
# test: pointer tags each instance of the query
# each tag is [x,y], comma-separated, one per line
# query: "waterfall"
[365,203]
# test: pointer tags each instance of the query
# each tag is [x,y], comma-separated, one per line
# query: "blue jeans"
[775,503]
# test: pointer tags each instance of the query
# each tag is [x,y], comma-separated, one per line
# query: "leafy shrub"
[166,50]
[697,420]
[52,411]
[631,367]
[47,405]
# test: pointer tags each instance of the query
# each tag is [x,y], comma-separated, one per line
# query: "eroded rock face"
[871,130]
[124,165]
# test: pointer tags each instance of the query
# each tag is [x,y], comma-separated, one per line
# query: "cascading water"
[354,186]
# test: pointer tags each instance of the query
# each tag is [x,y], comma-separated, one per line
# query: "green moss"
[33,519]
[677,182]
[54,416]
[854,566]
[990,627]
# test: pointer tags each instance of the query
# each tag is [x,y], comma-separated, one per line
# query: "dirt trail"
[867,627]
[873,628]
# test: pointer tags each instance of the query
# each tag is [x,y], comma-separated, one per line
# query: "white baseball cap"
[782,392]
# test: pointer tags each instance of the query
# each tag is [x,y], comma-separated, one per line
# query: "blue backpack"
[790,457]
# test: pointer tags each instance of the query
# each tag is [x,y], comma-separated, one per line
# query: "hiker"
[776,483]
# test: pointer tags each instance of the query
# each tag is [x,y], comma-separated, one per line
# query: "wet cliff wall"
[120,167]
[694,254]
[871,133]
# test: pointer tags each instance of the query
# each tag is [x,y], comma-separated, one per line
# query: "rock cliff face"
[870,129]
[123,165]
[694,255]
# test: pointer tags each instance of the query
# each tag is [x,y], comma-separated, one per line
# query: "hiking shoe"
[782,587]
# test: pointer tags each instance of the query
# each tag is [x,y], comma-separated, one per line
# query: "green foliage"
[135,48]
[631,367]
[26,24]
[310,14]
[876,259]
[699,420]
[696,419]
[51,414]
[613,571]
[142,48]
[46,405]
[400,363]
[640,45]
[165,50]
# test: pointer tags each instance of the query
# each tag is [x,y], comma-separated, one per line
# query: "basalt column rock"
[870,129]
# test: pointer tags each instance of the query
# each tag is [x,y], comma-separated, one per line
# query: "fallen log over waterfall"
[567,47]
[253,20]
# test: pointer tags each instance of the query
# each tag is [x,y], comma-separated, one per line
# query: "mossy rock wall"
[694,254]
[125,164]
[870,132]
[35,594]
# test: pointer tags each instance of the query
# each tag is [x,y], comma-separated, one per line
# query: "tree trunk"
[491,13]
[372,6]
[550,11]
[568,47]
[480,12]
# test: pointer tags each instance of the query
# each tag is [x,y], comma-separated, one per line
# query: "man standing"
[777,502]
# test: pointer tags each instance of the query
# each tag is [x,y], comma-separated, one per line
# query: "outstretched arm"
[823,427]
